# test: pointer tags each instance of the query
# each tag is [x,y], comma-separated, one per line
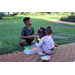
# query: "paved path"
[58,21]
[64,53]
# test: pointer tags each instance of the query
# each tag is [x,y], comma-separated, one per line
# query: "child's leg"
[41,51]
[29,40]
[22,41]
[48,51]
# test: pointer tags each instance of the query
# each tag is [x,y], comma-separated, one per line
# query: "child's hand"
[35,33]
[31,37]
[34,42]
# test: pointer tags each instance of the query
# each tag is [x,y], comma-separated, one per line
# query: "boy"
[27,32]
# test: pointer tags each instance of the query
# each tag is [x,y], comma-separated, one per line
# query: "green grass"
[10,31]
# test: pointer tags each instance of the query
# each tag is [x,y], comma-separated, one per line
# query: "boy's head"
[27,21]
[49,29]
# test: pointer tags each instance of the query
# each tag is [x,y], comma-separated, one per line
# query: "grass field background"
[10,31]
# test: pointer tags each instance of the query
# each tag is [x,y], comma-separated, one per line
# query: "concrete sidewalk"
[64,53]
[58,21]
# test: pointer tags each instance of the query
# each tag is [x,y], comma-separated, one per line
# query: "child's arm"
[25,37]
[40,43]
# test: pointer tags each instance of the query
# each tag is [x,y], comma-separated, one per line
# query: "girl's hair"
[42,30]
[49,29]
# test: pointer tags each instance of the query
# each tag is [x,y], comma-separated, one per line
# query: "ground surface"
[64,53]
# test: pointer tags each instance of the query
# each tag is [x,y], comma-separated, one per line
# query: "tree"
[1,14]
[13,13]
[8,13]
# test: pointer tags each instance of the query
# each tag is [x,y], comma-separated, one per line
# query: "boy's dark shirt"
[26,32]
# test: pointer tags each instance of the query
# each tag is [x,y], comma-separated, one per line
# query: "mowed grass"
[10,31]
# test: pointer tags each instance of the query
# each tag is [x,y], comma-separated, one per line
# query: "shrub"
[70,18]
[41,13]
[72,13]
[38,13]
[25,13]
[45,13]
[30,13]
[18,13]
[0,16]
[51,13]
[63,18]
[63,13]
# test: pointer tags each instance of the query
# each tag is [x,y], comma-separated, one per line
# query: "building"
[7,13]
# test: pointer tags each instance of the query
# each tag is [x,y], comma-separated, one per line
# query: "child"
[46,43]
[49,32]
[27,32]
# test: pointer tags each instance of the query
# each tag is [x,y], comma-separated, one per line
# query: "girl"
[49,32]
[46,43]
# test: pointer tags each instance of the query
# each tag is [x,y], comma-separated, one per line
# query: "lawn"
[10,30]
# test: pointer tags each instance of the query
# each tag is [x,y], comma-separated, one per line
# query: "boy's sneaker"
[20,45]
[29,44]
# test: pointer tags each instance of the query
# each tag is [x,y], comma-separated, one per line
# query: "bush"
[0,16]
[25,13]
[45,13]
[72,13]
[38,13]
[51,13]
[63,18]
[69,18]
[63,13]
[19,14]
[41,13]
[30,13]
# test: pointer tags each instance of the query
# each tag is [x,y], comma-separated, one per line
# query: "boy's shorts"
[27,40]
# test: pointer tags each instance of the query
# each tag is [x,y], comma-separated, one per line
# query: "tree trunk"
[13,13]
[8,13]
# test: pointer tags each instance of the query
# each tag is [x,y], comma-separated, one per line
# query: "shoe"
[20,45]
[29,44]
[47,57]
[40,53]
[39,60]
[56,45]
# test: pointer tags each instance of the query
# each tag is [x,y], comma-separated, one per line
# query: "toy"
[45,57]
[28,47]
[38,39]
[34,48]
[56,45]
[40,53]
[31,49]
[34,35]
[40,60]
